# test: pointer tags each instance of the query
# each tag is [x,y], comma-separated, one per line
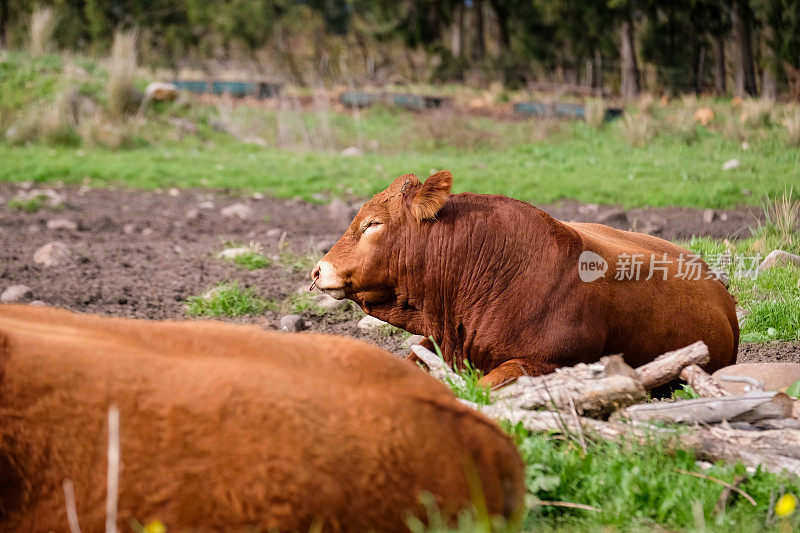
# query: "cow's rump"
[227,427]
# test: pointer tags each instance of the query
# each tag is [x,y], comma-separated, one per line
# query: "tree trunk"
[501,11]
[720,84]
[627,52]
[769,87]
[597,70]
[479,42]
[745,69]
[3,23]
[457,40]
[701,66]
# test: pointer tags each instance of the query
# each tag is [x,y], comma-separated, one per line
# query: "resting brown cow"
[496,281]
[231,428]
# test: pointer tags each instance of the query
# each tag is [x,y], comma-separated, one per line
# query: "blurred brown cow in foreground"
[502,284]
[231,428]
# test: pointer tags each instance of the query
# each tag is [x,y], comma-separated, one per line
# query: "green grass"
[523,159]
[252,261]
[228,299]
[469,387]
[638,487]
[31,205]
[771,299]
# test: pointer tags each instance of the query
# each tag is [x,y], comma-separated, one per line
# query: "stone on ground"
[370,323]
[778,258]
[53,254]
[292,323]
[239,210]
[16,293]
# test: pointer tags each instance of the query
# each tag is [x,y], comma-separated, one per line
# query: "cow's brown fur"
[225,427]
[495,281]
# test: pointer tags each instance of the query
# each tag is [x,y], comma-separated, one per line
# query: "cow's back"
[227,426]
[647,317]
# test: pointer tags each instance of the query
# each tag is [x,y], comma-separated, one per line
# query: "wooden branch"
[667,367]
[594,390]
[702,383]
[725,484]
[436,365]
[743,408]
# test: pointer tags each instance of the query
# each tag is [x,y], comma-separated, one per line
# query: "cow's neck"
[458,278]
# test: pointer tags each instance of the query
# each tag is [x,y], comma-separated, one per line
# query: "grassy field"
[298,153]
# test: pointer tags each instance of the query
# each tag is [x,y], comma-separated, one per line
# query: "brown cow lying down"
[497,282]
[230,428]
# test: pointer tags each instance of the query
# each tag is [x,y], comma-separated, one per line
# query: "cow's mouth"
[337,294]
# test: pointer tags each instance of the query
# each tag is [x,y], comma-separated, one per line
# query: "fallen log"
[772,450]
[702,383]
[593,390]
[667,367]
[742,408]
[436,365]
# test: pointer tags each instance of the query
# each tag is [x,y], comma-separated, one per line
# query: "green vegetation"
[227,299]
[470,386]
[302,303]
[639,487]
[299,151]
[30,205]
[245,256]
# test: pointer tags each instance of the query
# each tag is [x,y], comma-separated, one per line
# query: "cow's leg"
[504,374]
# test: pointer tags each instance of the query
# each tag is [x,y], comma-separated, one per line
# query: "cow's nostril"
[315,272]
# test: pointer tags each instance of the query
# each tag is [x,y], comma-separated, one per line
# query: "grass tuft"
[121,70]
[595,112]
[43,25]
[470,388]
[636,128]
[782,217]
[29,205]
[791,120]
[228,299]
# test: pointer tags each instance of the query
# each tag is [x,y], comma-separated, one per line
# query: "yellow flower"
[156,526]
[785,505]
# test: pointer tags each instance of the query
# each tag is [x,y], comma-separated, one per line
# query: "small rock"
[34,228]
[56,224]
[239,210]
[723,217]
[230,253]
[292,323]
[370,323]
[37,303]
[274,233]
[147,231]
[53,254]
[745,145]
[352,151]
[129,229]
[206,205]
[16,293]
[730,164]
[339,212]
[161,91]
[258,196]
[778,258]
[174,192]
[192,214]
[413,340]
[588,209]
[709,216]
[614,217]
[331,304]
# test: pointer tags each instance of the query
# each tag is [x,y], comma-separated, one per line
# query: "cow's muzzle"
[326,279]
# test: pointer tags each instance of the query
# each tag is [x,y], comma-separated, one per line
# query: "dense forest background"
[740,47]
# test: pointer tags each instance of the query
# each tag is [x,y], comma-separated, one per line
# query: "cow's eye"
[371,225]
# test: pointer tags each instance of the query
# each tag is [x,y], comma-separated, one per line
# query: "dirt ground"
[142,254]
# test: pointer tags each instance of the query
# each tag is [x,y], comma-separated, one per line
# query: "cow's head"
[363,265]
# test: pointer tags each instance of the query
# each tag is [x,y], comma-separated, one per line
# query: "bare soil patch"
[143,253]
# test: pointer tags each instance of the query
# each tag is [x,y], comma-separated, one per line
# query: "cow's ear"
[432,195]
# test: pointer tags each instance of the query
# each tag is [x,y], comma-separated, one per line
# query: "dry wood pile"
[608,400]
